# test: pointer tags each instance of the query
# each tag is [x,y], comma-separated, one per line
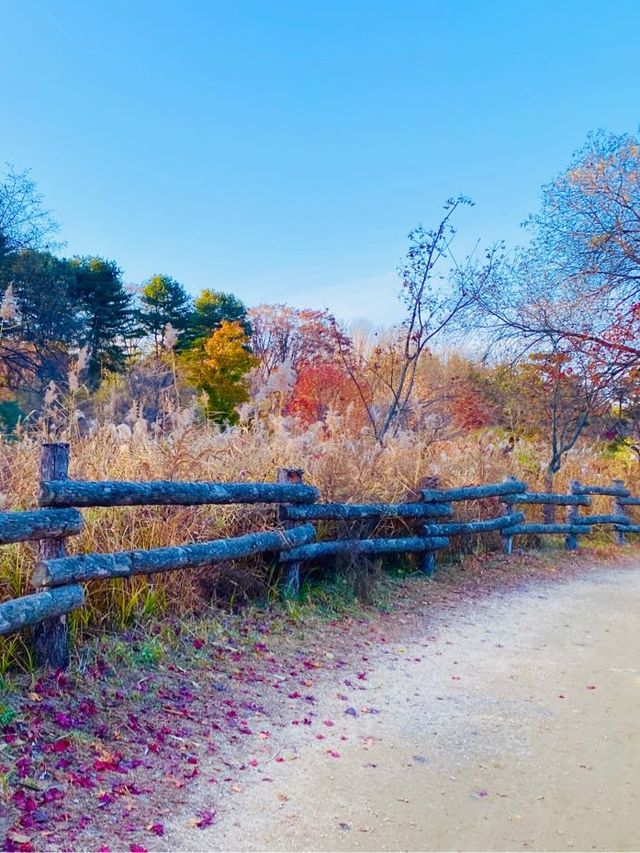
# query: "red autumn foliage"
[324,387]
[617,349]
[469,407]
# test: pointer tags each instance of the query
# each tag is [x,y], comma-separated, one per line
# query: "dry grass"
[345,468]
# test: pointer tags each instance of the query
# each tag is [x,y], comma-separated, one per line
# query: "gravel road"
[511,724]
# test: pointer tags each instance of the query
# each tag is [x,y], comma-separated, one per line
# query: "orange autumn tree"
[218,365]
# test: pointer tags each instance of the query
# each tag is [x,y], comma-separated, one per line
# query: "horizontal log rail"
[605,519]
[32,609]
[458,528]
[403,545]
[628,528]
[474,493]
[29,525]
[78,493]
[317,512]
[607,491]
[551,529]
[546,498]
[629,501]
[86,567]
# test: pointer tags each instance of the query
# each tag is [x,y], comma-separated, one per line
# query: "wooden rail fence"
[57,576]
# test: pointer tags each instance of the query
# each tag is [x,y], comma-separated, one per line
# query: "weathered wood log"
[607,491]
[552,529]
[618,509]
[378,510]
[507,510]
[51,636]
[27,525]
[428,563]
[572,517]
[629,528]
[168,493]
[291,573]
[86,567]
[428,560]
[407,544]
[629,501]
[457,528]
[604,519]
[32,609]
[472,493]
[547,498]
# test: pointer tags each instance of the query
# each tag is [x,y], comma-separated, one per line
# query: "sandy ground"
[511,723]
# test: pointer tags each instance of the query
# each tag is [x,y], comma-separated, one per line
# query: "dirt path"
[511,723]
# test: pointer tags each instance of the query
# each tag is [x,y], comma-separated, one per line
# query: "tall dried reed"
[344,467]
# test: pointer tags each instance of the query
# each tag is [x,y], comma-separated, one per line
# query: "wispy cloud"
[374,299]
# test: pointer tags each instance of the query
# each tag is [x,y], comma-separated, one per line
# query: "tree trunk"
[549,510]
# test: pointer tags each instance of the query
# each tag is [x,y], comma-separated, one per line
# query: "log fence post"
[618,508]
[508,503]
[291,576]
[428,561]
[573,514]
[51,637]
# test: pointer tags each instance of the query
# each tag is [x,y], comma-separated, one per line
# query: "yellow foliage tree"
[218,365]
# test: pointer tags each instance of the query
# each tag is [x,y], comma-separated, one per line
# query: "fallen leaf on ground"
[18,837]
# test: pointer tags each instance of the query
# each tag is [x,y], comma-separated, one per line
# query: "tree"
[435,300]
[24,225]
[46,324]
[163,302]
[561,398]
[588,227]
[219,366]
[572,298]
[579,281]
[17,360]
[558,387]
[106,313]
[210,309]
[298,337]
[24,221]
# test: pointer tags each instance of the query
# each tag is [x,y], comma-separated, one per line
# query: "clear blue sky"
[282,150]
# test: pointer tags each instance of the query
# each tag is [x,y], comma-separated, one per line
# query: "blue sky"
[282,150]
